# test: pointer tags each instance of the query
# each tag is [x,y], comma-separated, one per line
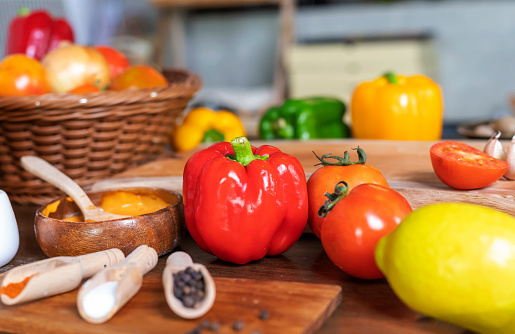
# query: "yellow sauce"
[50,208]
[124,203]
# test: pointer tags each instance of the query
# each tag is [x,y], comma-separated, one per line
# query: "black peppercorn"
[238,325]
[264,315]
[214,326]
[188,287]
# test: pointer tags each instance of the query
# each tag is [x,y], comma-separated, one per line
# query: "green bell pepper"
[311,118]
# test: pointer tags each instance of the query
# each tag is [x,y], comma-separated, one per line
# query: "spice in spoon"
[12,290]
[188,287]
[100,300]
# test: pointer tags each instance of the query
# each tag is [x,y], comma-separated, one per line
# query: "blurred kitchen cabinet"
[172,30]
[334,69]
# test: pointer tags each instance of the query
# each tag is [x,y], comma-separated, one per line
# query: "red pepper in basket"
[242,203]
[36,33]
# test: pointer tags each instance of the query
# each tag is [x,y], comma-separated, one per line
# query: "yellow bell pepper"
[397,107]
[203,125]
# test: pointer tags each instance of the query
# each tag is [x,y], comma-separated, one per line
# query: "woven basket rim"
[181,83]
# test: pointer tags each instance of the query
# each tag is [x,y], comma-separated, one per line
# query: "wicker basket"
[89,137]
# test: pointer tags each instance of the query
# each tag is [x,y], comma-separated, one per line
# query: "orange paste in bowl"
[125,203]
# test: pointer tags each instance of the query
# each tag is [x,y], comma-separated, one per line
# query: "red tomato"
[324,179]
[116,60]
[21,75]
[461,166]
[352,229]
[138,76]
[84,89]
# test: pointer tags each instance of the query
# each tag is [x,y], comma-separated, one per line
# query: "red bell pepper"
[36,33]
[242,203]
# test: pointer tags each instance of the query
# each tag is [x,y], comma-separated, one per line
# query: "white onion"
[70,66]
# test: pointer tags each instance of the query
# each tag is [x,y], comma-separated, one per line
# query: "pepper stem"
[243,151]
[345,161]
[340,191]
[23,11]
[391,77]
[213,136]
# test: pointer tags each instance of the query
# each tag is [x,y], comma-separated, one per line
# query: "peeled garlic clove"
[494,147]
[510,159]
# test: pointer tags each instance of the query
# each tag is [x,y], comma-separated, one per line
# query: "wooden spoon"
[109,290]
[176,262]
[49,173]
[57,275]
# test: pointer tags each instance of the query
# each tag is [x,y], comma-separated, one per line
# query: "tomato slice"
[461,166]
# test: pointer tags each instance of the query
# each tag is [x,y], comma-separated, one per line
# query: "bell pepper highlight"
[397,107]
[36,33]
[311,118]
[203,125]
[242,203]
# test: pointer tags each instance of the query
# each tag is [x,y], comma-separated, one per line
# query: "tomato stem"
[345,161]
[340,191]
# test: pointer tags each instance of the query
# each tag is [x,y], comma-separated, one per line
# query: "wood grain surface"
[406,166]
[292,308]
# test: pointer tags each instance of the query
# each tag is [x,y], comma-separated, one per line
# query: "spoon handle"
[51,174]
[179,258]
[94,262]
[144,257]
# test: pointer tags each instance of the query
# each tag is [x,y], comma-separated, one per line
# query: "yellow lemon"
[454,262]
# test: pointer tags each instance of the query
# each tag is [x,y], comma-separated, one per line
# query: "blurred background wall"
[233,50]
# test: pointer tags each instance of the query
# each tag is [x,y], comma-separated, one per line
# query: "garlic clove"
[510,159]
[494,147]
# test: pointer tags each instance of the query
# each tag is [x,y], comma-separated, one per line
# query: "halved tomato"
[461,166]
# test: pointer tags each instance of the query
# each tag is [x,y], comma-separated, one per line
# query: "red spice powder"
[13,289]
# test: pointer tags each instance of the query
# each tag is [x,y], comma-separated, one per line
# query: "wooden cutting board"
[292,308]
[405,164]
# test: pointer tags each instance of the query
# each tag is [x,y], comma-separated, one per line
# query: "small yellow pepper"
[203,125]
[397,107]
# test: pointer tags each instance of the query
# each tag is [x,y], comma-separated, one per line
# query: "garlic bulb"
[494,147]
[510,159]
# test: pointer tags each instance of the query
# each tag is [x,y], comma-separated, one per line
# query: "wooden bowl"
[161,230]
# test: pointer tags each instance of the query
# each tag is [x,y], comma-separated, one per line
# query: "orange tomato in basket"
[138,76]
[21,76]
[84,89]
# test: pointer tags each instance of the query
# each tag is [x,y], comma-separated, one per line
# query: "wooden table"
[366,306]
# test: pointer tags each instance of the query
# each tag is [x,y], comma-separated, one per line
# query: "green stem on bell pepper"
[213,136]
[243,151]
[391,77]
